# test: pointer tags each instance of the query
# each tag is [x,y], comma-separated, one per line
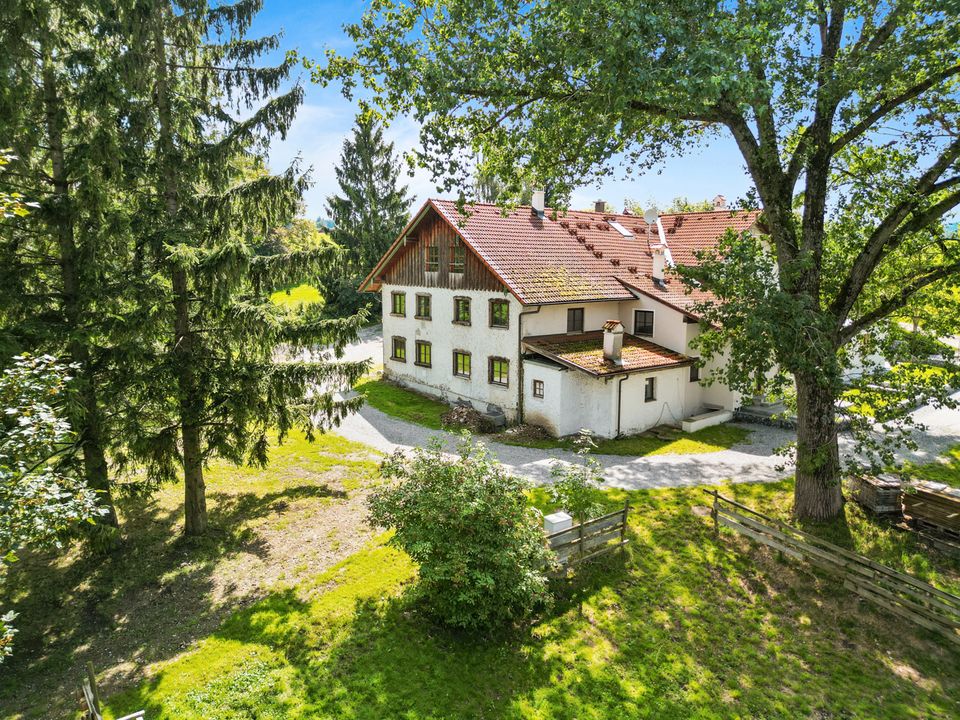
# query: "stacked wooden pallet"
[880,494]
[933,503]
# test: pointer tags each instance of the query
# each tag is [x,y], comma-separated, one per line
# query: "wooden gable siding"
[408,266]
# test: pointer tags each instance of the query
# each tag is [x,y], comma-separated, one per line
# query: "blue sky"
[326,120]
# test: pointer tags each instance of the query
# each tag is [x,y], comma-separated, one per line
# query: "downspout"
[520,359]
[620,401]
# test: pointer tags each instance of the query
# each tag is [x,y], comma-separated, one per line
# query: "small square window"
[423,354]
[575,320]
[643,322]
[650,389]
[399,349]
[499,313]
[423,307]
[458,256]
[432,257]
[398,303]
[694,373]
[461,310]
[499,371]
[461,363]
[538,388]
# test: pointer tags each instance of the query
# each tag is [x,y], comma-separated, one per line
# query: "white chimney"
[599,206]
[659,261]
[613,341]
[538,202]
[719,203]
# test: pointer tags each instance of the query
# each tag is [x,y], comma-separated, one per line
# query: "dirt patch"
[526,433]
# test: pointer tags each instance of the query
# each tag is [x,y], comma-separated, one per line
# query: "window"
[499,371]
[399,304]
[694,373]
[538,388]
[423,307]
[461,363]
[575,320]
[650,389]
[399,349]
[458,256]
[499,313]
[461,310]
[643,322]
[423,354]
[433,257]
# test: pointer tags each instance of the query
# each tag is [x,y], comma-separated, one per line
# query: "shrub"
[467,523]
[574,484]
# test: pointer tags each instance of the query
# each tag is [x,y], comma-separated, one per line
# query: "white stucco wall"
[478,338]
[675,399]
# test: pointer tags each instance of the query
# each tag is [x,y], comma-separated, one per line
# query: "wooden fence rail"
[889,589]
[590,539]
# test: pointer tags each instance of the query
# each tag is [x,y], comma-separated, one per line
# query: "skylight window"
[619,228]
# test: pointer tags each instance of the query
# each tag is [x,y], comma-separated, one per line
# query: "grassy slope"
[687,626]
[416,408]
[158,593]
[946,469]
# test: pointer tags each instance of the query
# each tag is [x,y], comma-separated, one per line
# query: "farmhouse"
[566,320]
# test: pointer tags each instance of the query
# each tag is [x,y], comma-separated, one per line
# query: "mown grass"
[711,439]
[143,602]
[945,469]
[298,296]
[684,625]
[402,403]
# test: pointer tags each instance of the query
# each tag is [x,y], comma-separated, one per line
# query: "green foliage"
[466,523]
[574,484]
[402,403]
[39,497]
[368,214]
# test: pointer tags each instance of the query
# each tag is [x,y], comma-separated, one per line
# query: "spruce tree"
[215,387]
[370,211]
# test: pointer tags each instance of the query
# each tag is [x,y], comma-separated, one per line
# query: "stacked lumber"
[879,494]
[933,503]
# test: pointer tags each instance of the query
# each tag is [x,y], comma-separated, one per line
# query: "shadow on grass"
[143,601]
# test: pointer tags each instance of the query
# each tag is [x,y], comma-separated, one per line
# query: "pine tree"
[370,211]
[215,388]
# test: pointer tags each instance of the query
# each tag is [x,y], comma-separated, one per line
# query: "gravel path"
[752,461]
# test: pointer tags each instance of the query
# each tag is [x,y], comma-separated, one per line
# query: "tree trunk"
[190,398]
[817,494]
[88,420]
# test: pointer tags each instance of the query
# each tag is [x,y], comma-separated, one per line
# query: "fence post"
[623,527]
[714,512]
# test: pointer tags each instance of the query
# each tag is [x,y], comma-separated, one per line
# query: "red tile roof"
[577,256]
[584,351]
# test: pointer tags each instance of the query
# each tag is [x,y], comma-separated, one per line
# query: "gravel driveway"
[752,461]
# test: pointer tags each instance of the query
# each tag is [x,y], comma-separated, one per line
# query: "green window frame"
[398,304]
[424,352]
[500,313]
[423,307]
[575,320]
[432,259]
[458,256]
[461,363]
[499,371]
[461,310]
[399,349]
[650,389]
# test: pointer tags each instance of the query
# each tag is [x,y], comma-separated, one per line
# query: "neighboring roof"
[584,351]
[578,256]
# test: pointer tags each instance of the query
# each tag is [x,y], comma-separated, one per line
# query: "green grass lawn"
[711,439]
[296,297]
[945,469]
[685,625]
[402,403]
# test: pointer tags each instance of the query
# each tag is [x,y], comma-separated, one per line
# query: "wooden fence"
[590,539]
[893,591]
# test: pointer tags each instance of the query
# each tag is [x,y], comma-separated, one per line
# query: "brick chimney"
[613,341]
[719,203]
[599,206]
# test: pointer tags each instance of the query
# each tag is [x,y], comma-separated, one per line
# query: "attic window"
[619,228]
